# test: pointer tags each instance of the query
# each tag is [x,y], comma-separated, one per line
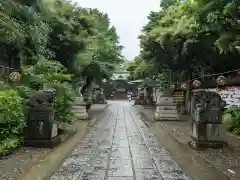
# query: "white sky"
[128,16]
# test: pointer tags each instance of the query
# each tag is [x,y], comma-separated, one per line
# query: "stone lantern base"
[196,144]
[50,143]
[79,108]
[42,135]
[207,136]
[166,110]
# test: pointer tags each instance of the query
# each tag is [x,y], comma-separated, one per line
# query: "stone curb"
[145,116]
[231,140]
[48,163]
[184,147]
[44,167]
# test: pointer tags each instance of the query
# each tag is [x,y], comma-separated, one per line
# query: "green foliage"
[81,39]
[139,68]
[167,3]
[222,17]
[25,92]
[102,55]
[51,74]
[184,37]
[3,86]
[80,42]
[12,122]
[63,104]
[231,119]
[24,33]
[8,144]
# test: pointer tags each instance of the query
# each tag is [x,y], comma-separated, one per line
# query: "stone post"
[207,127]
[79,108]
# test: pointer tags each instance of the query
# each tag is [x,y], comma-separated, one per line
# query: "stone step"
[82,116]
[166,108]
[79,111]
[166,118]
[78,103]
[166,115]
[78,106]
[167,104]
[167,112]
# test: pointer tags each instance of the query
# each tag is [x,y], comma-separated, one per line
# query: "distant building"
[120,75]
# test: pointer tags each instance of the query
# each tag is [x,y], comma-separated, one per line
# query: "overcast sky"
[128,16]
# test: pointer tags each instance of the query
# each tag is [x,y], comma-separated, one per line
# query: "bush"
[231,119]
[51,74]
[12,121]
[63,104]
[3,86]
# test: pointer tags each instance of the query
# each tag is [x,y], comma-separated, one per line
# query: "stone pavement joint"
[119,147]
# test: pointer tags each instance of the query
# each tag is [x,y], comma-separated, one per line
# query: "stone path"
[119,147]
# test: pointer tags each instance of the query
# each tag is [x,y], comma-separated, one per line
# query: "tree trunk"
[188,92]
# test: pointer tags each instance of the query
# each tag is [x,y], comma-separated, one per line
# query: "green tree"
[175,37]
[139,68]
[184,38]
[24,34]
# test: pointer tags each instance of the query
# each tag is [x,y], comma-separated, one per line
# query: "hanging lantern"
[184,86]
[14,76]
[221,80]
[196,83]
[172,86]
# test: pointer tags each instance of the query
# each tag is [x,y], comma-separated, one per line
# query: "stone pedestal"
[207,136]
[166,110]
[79,108]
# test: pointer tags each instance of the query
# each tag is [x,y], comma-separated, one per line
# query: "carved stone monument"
[207,127]
[166,108]
[41,129]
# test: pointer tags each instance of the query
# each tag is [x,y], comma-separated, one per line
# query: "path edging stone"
[48,163]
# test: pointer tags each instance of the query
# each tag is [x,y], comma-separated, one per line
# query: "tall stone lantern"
[207,127]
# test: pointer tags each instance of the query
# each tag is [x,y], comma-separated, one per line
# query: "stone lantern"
[207,127]
[79,108]
[179,97]
[41,129]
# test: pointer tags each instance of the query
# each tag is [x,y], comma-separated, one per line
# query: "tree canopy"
[193,36]
[81,39]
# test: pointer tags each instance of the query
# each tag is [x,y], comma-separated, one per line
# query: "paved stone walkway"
[119,147]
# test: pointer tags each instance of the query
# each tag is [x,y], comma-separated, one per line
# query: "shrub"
[3,86]
[51,74]
[63,104]
[231,119]
[12,121]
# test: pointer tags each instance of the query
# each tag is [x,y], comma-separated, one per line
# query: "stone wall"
[233,141]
